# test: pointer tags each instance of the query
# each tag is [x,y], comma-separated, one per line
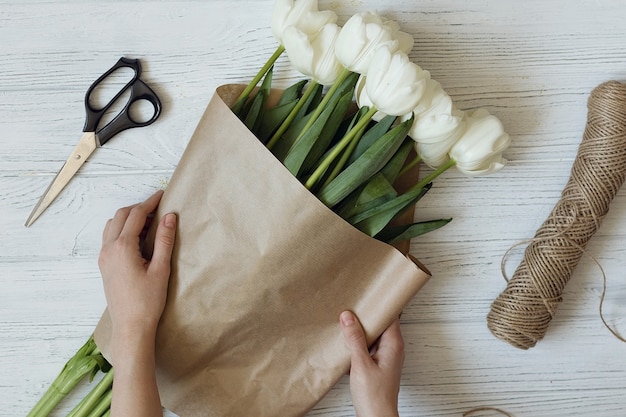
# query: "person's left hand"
[136,288]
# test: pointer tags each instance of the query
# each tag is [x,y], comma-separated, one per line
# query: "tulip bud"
[479,150]
[363,34]
[438,125]
[303,14]
[394,84]
[314,55]
[440,132]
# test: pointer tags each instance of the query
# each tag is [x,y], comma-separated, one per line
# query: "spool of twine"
[520,315]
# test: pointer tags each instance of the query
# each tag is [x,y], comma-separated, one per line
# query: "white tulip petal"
[304,14]
[299,49]
[363,34]
[314,56]
[363,100]
[405,41]
[327,68]
[479,150]
[395,84]
[436,128]
[435,154]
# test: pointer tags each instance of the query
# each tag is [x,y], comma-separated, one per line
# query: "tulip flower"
[363,34]
[436,153]
[394,84]
[303,14]
[438,125]
[314,55]
[354,48]
[479,150]
[475,148]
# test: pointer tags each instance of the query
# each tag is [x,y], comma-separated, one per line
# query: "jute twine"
[479,409]
[520,315]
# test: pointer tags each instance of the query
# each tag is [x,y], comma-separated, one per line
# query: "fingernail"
[170,220]
[347,318]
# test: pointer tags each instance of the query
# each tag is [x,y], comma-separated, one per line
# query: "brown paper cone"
[261,271]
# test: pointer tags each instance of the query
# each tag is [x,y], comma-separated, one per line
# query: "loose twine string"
[479,409]
[520,315]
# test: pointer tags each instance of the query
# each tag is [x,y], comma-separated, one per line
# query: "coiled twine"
[520,315]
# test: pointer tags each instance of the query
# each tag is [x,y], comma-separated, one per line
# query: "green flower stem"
[410,165]
[319,171]
[103,405]
[320,107]
[91,400]
[440,169]
[344,158]
[292,115]
[246,92]
[79,366]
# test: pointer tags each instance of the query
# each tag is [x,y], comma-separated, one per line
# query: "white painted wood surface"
[532,63]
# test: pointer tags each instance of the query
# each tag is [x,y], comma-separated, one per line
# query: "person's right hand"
[374,378]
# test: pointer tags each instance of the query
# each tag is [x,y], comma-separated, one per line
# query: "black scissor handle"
[138,91]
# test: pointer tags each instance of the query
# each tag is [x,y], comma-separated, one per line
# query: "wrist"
[130,345]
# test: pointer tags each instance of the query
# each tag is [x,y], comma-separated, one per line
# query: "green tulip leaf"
[395,164]
[393,234]
[287,140]
[318,136]
[339,163]
[328,132]
[292,93]
[377,191]
[273,119]
[368,164]
[255,109]
[254,115]
[376,219]
[371,136]
[311,102]
[275,116]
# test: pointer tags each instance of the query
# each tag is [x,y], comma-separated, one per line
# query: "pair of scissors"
[95,135]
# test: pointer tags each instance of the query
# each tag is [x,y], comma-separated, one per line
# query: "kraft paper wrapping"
[260,272]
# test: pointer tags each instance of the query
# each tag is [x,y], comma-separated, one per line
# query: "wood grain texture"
[531,63]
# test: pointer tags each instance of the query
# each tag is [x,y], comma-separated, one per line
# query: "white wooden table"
[532,63]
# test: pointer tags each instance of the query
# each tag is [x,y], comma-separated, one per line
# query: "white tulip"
[394,84]
[438,125]
[304,14]
[440,132]
[363,34]
[405,41]
[479,150]
[314,55]
[362,99]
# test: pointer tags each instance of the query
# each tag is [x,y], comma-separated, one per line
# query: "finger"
[114,226]
[164,243]
[390,352]
[355,339]
[139,214]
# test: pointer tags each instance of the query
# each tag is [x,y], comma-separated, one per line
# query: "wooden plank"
[531,63]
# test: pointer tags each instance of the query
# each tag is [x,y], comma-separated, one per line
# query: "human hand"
[136,288]
[374,378]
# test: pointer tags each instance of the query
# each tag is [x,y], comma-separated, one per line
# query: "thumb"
[164,242]
[355,338]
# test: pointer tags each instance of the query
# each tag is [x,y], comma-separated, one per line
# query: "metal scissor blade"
[88,143]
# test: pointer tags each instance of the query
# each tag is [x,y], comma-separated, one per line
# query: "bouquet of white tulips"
[363,118]
[345,158]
